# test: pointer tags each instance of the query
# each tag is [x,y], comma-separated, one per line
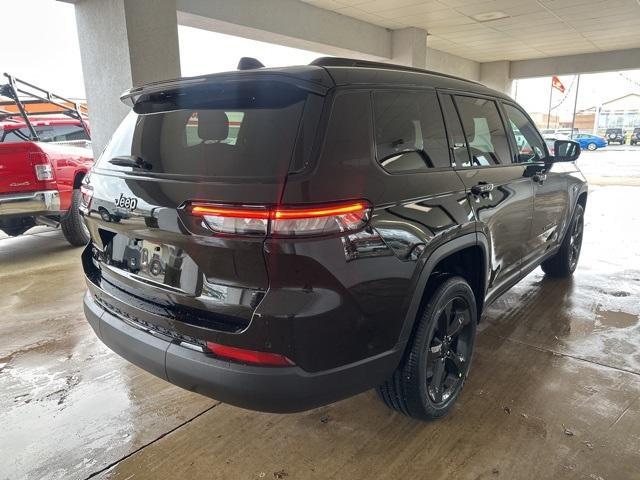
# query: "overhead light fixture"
[490,16]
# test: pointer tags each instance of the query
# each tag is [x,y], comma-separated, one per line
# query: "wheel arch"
[78,177]
[469,246]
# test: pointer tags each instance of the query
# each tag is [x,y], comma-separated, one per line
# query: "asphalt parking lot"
[554,391]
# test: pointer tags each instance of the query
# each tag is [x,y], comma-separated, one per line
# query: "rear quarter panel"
[351,294]
[67,162]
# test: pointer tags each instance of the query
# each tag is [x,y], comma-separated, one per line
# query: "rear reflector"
[249,356]
[285,221]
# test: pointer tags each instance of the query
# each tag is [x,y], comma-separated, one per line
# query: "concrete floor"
[554,390]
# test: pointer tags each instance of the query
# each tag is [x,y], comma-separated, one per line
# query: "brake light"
[249,356]
[87,194]
[41,165]
[284,221]
[234,220]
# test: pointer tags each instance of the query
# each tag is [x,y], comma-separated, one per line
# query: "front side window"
[529,144]
[484,131]
[409,131]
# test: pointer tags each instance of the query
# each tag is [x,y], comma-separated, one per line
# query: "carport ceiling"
[527,29]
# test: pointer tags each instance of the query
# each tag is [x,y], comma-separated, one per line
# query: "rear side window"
[235,129]
[409,131]
[529,144]
[484,131]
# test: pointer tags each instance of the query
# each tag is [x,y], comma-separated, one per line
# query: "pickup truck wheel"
[564,263]
[429,379]
[73,227]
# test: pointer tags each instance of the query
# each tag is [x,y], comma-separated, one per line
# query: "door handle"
[482,188]
[539,177]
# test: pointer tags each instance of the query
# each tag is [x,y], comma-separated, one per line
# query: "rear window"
[47,133]
[236,129]
[409,131]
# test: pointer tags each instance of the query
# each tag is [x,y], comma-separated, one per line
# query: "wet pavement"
[554,391]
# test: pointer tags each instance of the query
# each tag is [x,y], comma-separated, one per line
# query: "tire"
[564,263]
[592,146]
[73,227]
[413,388]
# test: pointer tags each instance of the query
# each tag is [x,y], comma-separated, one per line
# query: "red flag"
[557,84]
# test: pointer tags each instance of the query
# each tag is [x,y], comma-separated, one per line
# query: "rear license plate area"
[160,264]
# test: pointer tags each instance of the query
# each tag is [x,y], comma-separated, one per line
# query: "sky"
[50,58]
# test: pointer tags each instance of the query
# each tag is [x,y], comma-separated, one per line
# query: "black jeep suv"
[282,238]
[614,135]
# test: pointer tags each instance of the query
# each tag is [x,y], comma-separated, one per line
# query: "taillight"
[283,221]
[41,165]
[249,356]
[87,194]
[234,220]
[320,220]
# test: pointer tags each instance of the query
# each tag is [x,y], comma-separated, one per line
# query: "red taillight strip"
[300,213]
[282,221]
[201,210]
[280,213]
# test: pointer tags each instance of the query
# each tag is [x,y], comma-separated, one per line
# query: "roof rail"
[352,62]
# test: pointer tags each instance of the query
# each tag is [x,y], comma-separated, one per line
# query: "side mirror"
[565,151]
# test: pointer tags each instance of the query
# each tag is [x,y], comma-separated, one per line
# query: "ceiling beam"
[288,22]
[572,64]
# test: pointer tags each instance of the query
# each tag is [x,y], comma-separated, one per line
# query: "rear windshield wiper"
[131,161]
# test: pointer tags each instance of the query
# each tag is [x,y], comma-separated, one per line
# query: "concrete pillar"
[409,47]
[497,75]
[123,43]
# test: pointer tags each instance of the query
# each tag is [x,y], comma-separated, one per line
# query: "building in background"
[622,112]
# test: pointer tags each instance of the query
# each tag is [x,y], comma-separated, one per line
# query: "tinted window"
[48,133]
[348,140]
[215,130]
[485,133]
[61,133]
[409,131]
[15,135]
[234,122]
[457,142]
[529,144]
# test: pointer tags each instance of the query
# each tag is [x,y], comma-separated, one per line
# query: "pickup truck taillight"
[283,221]
[41,165]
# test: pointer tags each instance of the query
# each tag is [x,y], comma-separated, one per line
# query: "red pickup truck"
[44,155]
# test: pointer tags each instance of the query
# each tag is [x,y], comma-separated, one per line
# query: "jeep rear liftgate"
[155,253]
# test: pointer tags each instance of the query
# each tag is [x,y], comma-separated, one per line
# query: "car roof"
[326,73]
[346,71]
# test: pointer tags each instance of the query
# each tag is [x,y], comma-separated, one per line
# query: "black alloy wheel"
[432,373]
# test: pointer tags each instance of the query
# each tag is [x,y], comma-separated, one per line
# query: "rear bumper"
[270,389]
[31,203]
